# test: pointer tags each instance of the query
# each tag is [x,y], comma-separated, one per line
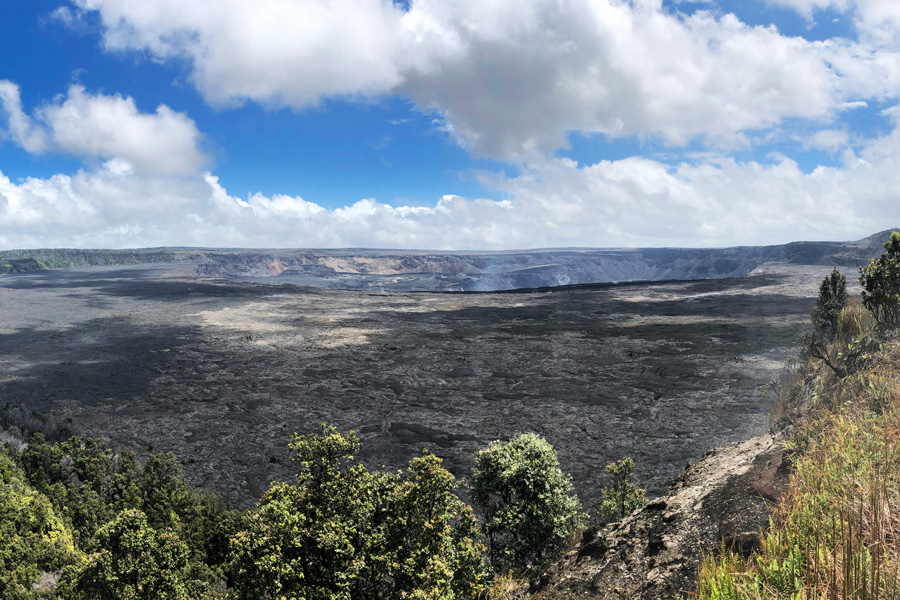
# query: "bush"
[880,280]
[343,532]
[831,301]
[824,320]
[622,497]
[526,502]
[33,539]
[135,562]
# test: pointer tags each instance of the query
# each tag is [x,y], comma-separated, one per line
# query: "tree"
[432,536]
[344,533]
[824,319]
[526,501]
[135,562]
[165,494]
[880,280]
[831,301]
[622,497]
[33,539]
[308,540]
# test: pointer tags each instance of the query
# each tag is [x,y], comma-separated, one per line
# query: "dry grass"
[506,587]
[836,532]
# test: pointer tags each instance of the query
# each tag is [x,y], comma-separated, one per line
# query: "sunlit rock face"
[472,271]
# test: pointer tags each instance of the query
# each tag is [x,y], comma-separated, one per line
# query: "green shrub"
[830,303]
[621,497]
[33,539]
[880,280]
[526,501]
[344,532]
[134,562]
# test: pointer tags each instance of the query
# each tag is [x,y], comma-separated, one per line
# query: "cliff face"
[399,271]
[655,552]
[431,271]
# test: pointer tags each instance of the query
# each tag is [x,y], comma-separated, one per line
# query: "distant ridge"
[413,270]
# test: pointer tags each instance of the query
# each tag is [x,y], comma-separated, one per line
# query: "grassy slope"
[834,534]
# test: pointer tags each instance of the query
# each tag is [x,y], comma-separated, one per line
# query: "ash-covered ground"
[221,372]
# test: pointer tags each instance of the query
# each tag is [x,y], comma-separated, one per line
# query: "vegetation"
[80,520]
[344,532]
[834,533]
[98,519]
[824,318]
[33,539]
[23,261]
[526,500]
[134,562]
[880,281]
[831,301]
[622,497]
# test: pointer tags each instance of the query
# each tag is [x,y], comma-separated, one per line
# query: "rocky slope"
[655,553]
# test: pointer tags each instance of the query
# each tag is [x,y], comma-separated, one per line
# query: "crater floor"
[221,372]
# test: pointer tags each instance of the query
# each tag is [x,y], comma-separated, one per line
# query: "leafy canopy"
[831,301]
[880,280]
[345,533]
[526,501]
[824,319]
[135,562]
[33,539]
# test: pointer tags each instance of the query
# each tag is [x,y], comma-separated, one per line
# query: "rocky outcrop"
[724,498]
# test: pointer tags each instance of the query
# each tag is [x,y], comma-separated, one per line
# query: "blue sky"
[465,125]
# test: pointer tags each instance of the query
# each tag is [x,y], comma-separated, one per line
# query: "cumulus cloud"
[20,128]
[508,80]
[278,52]
[106,127]
[830,140]
[510,77]
[876,21]
[715,201]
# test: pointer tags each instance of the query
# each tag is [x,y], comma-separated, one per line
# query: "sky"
[447,125]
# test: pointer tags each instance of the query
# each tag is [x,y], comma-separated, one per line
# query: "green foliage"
[432,536]
[831,301]
[342,532]
[526,502]
[621,497]
[88,483]
[135,562]
[32,537]
[880,280]
[165,494]
[824,320]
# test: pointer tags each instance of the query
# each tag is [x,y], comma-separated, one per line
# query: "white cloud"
[279,52]
[875,20]
[715,201]
[20,127]
[507,79]
[510,77]
[830,140]
[106,127]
